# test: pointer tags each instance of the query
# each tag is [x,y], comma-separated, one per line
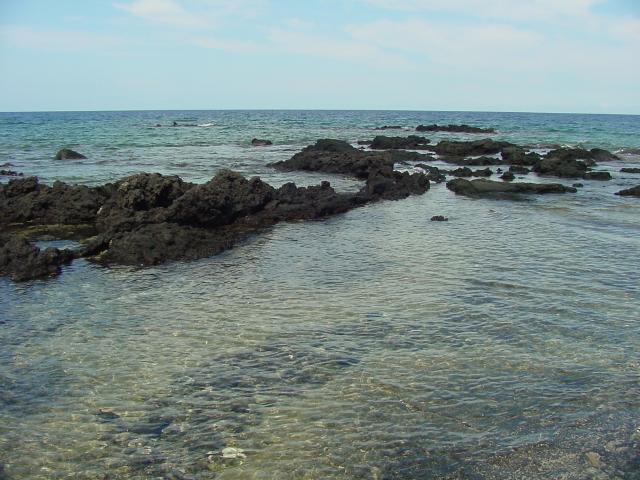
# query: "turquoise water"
[375,344]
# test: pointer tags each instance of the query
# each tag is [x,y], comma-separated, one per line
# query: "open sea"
[502,344]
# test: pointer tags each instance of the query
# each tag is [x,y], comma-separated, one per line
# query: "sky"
[471,55]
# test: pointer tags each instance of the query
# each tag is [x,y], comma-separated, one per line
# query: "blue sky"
[495,55]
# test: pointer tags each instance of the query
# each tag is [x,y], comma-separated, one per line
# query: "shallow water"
[375,344]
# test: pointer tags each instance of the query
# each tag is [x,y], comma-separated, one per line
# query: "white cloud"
[167,12]
[56,40]
[497,9]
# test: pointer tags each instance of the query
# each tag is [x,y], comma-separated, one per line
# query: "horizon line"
[315,110]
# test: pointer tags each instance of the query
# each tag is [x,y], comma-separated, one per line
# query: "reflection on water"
[375,344]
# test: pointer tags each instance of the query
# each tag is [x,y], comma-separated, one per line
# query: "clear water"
[375,344]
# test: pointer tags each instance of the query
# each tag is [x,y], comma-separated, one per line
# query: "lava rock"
[412,141]
[257,142]
[389,127]
[433,173]
[26,200]
[21,261]
[488,187]
[562,166]
[454,129]
[68,154]
[508,176]
[630,192]
[597,176]
[439,218]
[10,173]
[515,155]
[519,170]
[336,156]
[486,146]
[630,170]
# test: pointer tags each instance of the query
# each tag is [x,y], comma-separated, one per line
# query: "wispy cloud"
[497,9]
[56,40]
[166,12]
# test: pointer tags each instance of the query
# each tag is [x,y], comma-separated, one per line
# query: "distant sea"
[371,345]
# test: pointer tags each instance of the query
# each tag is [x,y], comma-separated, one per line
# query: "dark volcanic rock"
[486,146]
[519,170]
[302,203]
[488,187]
[220,201]
[22,261]
[597,176]
[630,170]
[68,154]
[467,172]
[563,166]
[389,127]
[257,142]
[396,186]
[472,162]
[433,173]
[600,155]
[412,141]
[10,173]
[454,129]
[439,218]
[26,200]
[153,244]
[508,176]
[630,192]
[514,155]
[590,156]
[140,199]
[336,156]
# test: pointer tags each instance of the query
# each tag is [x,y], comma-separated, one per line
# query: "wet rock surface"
[10,173]
[454,129]
[630,170]
[630,192]
[21,261]
[68,154]
[258,142]
[412,142]
[488,187]
[26,200]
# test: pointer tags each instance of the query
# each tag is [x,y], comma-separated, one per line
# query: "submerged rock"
[10,173]
[508,176]
[21,261]
[439,218]
[454,129]
[68,154]
[630,170]
[488,187]
[257,142]
[467,172]
[389,127]
[630,192]
[519,170]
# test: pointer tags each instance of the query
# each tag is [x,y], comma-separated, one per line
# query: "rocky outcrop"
[387,143]
[21,261]
[630,170]
[519,170]
[68,154]
[588,156]
[563,166]
[472,162]
[258,142]
[454,129]
[484,187]
[10,173]
[630,192]
[486,146]
[26,200]
[508,176]
[439,218]
[389,127]
[434,174]
[602,176]
[336,156]
[515,155]
[467,172]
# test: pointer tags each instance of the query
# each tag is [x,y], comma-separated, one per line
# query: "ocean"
[375,344]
